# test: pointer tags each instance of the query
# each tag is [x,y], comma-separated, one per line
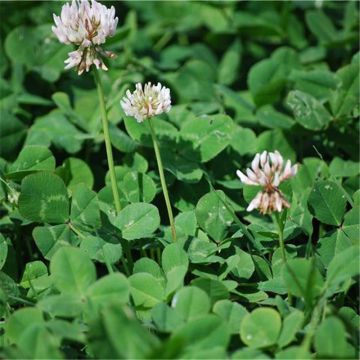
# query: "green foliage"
[79,279]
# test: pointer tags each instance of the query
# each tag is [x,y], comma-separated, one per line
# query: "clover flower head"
[268,170]
[146,102]
[86,25]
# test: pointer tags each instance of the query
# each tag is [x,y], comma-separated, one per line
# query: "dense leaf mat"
[244,77]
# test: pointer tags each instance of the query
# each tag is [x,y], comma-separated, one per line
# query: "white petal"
[255,163]
[255,202]
[244,179]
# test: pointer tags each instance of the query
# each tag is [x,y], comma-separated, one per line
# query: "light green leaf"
[261,328]
[303,279]
[31,159]
[212,215]
[50,238]
[330,340]
[309,112]
[85,213]
[72,271]
[44,198]
[138,220]
[74,172]
[327,202]
[175,264]
[232,312]
[146,290]
[292,324]
[208,135]
[190,303]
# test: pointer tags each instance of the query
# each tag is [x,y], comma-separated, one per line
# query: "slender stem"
[162,180]
[280,226]
[109,153]
[281,236]
[110,158]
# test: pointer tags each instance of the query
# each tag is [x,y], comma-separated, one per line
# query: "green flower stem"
[280,226]
[110,159]
[109,153]
[162,180]
[281,236]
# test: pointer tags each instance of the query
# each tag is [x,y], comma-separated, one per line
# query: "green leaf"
[99,249]
[104,341]
[206,332]
[138,187]
[146,290]
[292,324]
[62,305]
[261,328]
[166,318]
[344,168]
[232,312]
[330,340]
[303,279]
[49,239]
[308,111]
[20,44]
[321,26]
[345,99]
[343,267]
[31,159]
[230,63]
[72,271]
[266,80]
[110,288]
[12,131]
[209,135]
[247,145]
[249,353]
[85,212]
[215,289]
[138,220]
[175,264]
[44,198]
[34,271]
[318,83]
[190,303]
[272,140]
[273,119]
[20,321]
[3,251]
[212,215]
[75,172]
[241,264]
[55,128]
[146,265]
[327,202]
[294,352]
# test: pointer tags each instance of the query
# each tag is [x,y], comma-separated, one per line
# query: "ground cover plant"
[187,187]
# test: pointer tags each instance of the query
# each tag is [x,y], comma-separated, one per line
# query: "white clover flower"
[144,104]
[268,170]
[86,25]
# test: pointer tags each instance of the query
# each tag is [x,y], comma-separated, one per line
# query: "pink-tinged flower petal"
[255,163]
[274,160]
[276,180]
[250,174]
[265,200]
[294,170]
[278,201]
[263,158]
[244,179]
[287,171]
[255,202]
